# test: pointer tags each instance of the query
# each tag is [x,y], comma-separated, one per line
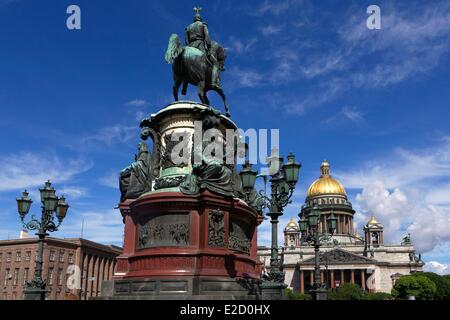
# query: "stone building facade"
[347,257]
[96,263]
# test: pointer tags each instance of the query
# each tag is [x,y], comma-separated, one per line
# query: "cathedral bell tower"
[373,233]
[292,234]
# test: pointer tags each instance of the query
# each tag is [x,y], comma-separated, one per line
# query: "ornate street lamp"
[51,204]
[248,177]
[309,226]
[283,183]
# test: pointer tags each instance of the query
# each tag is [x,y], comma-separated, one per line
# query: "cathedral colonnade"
[334,277]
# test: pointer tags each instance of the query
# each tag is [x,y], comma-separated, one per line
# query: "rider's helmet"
[197,17]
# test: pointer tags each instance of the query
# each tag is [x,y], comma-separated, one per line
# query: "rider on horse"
[197,36]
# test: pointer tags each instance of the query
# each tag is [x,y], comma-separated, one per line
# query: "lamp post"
[282,182]
[310,226]
[51,204]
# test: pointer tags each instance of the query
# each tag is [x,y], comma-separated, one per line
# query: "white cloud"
[99,226]
[439,196]
[323,93]
[413,41]
[246,78]
[431,226]
[27,170]
[110,180]
[436,267]
[404,192]
[351,114]
[390,208]
[72,192]
[137,103]
[239,47]
[403,167]
[111,134]
[271,29]
[275,7]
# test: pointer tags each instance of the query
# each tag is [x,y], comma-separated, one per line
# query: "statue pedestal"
[188,237]
[181,246]
[319,294]
[271,290]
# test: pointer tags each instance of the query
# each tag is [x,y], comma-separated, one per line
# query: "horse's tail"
[174,48]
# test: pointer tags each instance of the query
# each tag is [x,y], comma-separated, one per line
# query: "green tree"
[346,291]
[447,278]
[291,295]
[418,286]
[442,284]
[377,296]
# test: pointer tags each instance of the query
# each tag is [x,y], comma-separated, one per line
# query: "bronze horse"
[191,65]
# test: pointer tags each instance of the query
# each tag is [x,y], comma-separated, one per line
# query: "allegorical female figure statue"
[136,178]
[209,174]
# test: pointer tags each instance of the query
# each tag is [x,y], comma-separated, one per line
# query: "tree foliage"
[291,295]
[346,291]
[442,284]
[377,296]
[416,285]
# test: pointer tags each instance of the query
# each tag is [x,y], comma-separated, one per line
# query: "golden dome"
[373,221]
[325,184]
[292,224]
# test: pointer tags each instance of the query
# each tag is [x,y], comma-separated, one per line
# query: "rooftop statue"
[198,63]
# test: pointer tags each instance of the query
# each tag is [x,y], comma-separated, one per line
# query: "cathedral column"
[311,277]
[363,279]
[339,224]
[345,224]
[332,279]
[302,282]
[349,226]
[352,279]
[342,277]
[321,276]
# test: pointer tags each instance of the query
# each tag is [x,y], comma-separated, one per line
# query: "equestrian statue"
[198,63]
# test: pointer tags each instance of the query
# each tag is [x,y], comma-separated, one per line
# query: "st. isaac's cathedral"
[347,257]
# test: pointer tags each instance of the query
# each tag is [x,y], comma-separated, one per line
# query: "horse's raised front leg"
[184,89]
[222,95]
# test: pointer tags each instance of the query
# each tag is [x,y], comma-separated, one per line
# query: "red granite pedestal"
[186,247]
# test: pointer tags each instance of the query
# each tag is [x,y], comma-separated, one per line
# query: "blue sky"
[372,102]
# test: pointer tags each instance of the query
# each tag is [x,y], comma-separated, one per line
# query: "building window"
[8,257]
[70,258]
[50,276]
[4,296]
[52,255]
[27,256]
[59,278]
[6,278]
[18,256]
[26,272]
[16,277]
[1,257]
[61,256]
[14,296]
